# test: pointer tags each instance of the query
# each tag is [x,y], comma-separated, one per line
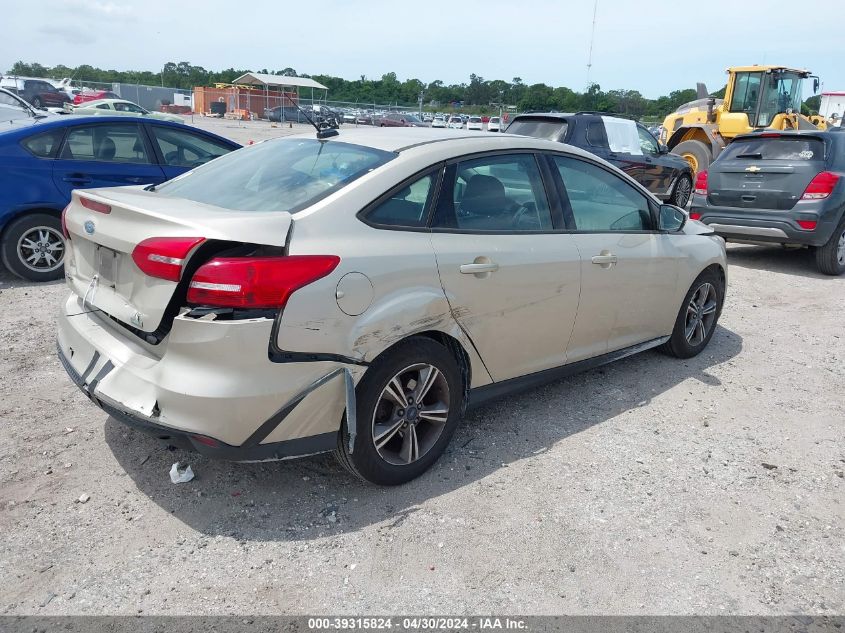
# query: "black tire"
[366,461]
[682,191]
[15,260]
[698,150]
[679,344]
[36,103]
[830,258]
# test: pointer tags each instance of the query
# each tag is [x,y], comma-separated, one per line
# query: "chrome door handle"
[605,259]
[475,269]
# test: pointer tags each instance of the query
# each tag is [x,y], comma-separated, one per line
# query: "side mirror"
[672,218]
[663,148]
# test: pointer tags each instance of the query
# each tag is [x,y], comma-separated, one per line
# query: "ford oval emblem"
[89,227]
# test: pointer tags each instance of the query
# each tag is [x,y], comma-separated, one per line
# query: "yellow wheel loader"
[756,97]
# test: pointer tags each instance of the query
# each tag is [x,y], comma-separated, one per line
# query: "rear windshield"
[780,148]
[281,175]
[539,128]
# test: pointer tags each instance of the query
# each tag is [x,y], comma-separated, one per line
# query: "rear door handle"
[606,260]
[475,269]
[77,179]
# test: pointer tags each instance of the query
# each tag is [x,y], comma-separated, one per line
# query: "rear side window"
[596,136]
[551,130]
[407,206]
[780,148]
[45,144]
[279,175]
[112,142]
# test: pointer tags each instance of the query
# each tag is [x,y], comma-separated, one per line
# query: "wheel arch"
[8,219]
[454,346]
[705,132]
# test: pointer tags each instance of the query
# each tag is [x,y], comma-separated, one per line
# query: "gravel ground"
[651,486]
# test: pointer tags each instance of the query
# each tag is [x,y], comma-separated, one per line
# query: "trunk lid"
[100,267]
[767,172]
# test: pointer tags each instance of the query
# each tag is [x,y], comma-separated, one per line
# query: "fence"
[153,97]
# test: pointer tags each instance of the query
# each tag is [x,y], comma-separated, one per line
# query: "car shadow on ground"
[789,261]
[311,497]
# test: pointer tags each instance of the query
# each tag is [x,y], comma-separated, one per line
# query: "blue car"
[42,161]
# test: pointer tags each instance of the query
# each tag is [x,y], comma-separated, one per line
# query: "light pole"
[422,94]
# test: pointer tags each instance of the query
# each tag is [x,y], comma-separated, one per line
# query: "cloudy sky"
[643,46]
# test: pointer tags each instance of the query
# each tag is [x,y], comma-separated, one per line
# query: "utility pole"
[592,38]
[422,94]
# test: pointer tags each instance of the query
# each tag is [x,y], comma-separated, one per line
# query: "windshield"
[412,118]
[553,130]
[281,175]
[781,93]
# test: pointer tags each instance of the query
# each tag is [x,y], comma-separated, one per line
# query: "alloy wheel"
[701,314]
[684,187]
[840,250]
[410,414]
[41,249]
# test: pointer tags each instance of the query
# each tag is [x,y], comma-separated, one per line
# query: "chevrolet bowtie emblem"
[753,169]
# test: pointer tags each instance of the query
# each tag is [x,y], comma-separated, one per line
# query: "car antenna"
[321,134]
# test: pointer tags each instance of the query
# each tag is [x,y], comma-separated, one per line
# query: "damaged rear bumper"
[210,387]
[202,443]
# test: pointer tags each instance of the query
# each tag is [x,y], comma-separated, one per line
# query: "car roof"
[64,120]
[442,144]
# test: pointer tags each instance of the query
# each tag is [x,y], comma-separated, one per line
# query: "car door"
[105,155]
[598,143]
[179,150]
[629,269]
[511,276]
[657,173]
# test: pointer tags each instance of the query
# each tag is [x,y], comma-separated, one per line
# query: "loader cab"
[761,94]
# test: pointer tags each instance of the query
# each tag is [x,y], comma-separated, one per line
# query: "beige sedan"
[356,293]
[120,107]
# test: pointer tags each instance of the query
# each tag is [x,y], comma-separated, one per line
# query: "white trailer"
[833,103]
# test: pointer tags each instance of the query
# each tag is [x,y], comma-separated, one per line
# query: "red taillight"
[99,207]
[694,215]
[701,183]
[807,225]
[770,135]
[64,223]
[163,257]
[821,186]
[256,282]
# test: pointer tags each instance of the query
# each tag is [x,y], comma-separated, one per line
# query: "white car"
[475,123]
[494,125]
[438,121]
[355,293]
[111,107]
[455,123]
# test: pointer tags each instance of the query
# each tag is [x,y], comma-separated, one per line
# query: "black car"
[779,187]
[622,142]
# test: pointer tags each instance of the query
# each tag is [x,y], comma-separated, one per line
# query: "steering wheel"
[523,217]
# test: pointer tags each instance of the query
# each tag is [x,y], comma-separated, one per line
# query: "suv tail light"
[807,225]
[256,282]
[701,183]
[821,186]
[163,257]
[694,215]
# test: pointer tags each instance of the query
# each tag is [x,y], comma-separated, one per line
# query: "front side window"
[185,149]
[286,174]
[407,206]
[497,193]
[600,200]
[648,144]
[781,93]
[112,142]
